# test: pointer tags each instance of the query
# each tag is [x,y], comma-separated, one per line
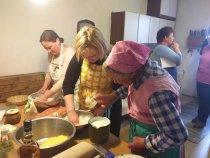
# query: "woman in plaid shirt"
[157,130]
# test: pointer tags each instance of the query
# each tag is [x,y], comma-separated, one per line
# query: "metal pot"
[84,117]
[83,124]
[47,127]
[12,116]
[99,128]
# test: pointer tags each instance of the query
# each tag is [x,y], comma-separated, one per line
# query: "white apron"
[56,72]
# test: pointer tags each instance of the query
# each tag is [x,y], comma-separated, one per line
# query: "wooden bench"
[20,84]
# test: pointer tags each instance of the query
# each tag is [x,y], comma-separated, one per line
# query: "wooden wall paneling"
[20,84]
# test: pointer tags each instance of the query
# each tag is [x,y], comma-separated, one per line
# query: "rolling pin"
[81,150]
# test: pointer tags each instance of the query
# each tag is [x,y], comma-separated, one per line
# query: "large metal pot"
[47,127]
[99,128]
[84,117]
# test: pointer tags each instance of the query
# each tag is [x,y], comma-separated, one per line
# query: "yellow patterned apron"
[93,79]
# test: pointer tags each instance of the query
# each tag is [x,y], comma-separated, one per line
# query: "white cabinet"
[148,27]
[131,26]
[162,9]
[164,22]
[124,26]
[136,27]
[173,8]
[168,8]
[171,23]
[143,31]
[153,29]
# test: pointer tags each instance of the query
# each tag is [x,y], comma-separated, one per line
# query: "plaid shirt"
[172,130]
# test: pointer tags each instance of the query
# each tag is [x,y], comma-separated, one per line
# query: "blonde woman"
[91,52]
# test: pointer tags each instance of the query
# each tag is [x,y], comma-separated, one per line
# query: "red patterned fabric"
[127,56]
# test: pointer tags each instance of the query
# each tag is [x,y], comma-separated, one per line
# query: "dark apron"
[143,130]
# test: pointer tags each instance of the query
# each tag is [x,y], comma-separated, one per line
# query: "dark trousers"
[203,91]
[115,117]
[172,71]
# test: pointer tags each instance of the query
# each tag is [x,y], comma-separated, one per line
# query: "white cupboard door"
[143,31]
[153,29]
[171,23]
[164,7]
[172,8]
[168,8]
[162,23]
[131,26]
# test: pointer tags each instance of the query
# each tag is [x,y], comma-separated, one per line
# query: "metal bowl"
[47,127]
[82,114]
[46,105]
[84,117]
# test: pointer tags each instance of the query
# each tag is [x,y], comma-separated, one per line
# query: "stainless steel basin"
[47,127]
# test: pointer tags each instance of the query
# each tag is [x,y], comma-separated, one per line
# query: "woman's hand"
[99,110]
[43,89]
[105,100]
[41,99]
[73,117]
[175,47]
[137,145]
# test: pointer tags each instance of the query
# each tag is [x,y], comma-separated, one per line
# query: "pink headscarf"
[127,56]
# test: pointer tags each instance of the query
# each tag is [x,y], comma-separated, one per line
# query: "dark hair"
[51,36]
[163,32]
[204,44]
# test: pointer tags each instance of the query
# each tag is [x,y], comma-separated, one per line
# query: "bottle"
[30,148]
[6,144]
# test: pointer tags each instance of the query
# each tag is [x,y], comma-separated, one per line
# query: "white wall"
[22,22]
[194,15]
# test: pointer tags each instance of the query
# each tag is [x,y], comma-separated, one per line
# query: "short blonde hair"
[90,36]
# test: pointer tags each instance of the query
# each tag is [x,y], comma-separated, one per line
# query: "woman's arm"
[71,113]
[66,58]
[172,55]
[46,83]
[72,74]
[48,79]
[172,130]
[71,77]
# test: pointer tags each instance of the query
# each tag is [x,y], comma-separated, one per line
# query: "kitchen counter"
[114,144]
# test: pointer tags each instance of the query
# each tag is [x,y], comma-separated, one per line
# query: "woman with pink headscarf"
[156,129]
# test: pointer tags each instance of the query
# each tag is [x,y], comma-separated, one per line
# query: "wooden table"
[114,144]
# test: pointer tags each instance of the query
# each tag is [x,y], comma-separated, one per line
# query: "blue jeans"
[172,71]
[203,91]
